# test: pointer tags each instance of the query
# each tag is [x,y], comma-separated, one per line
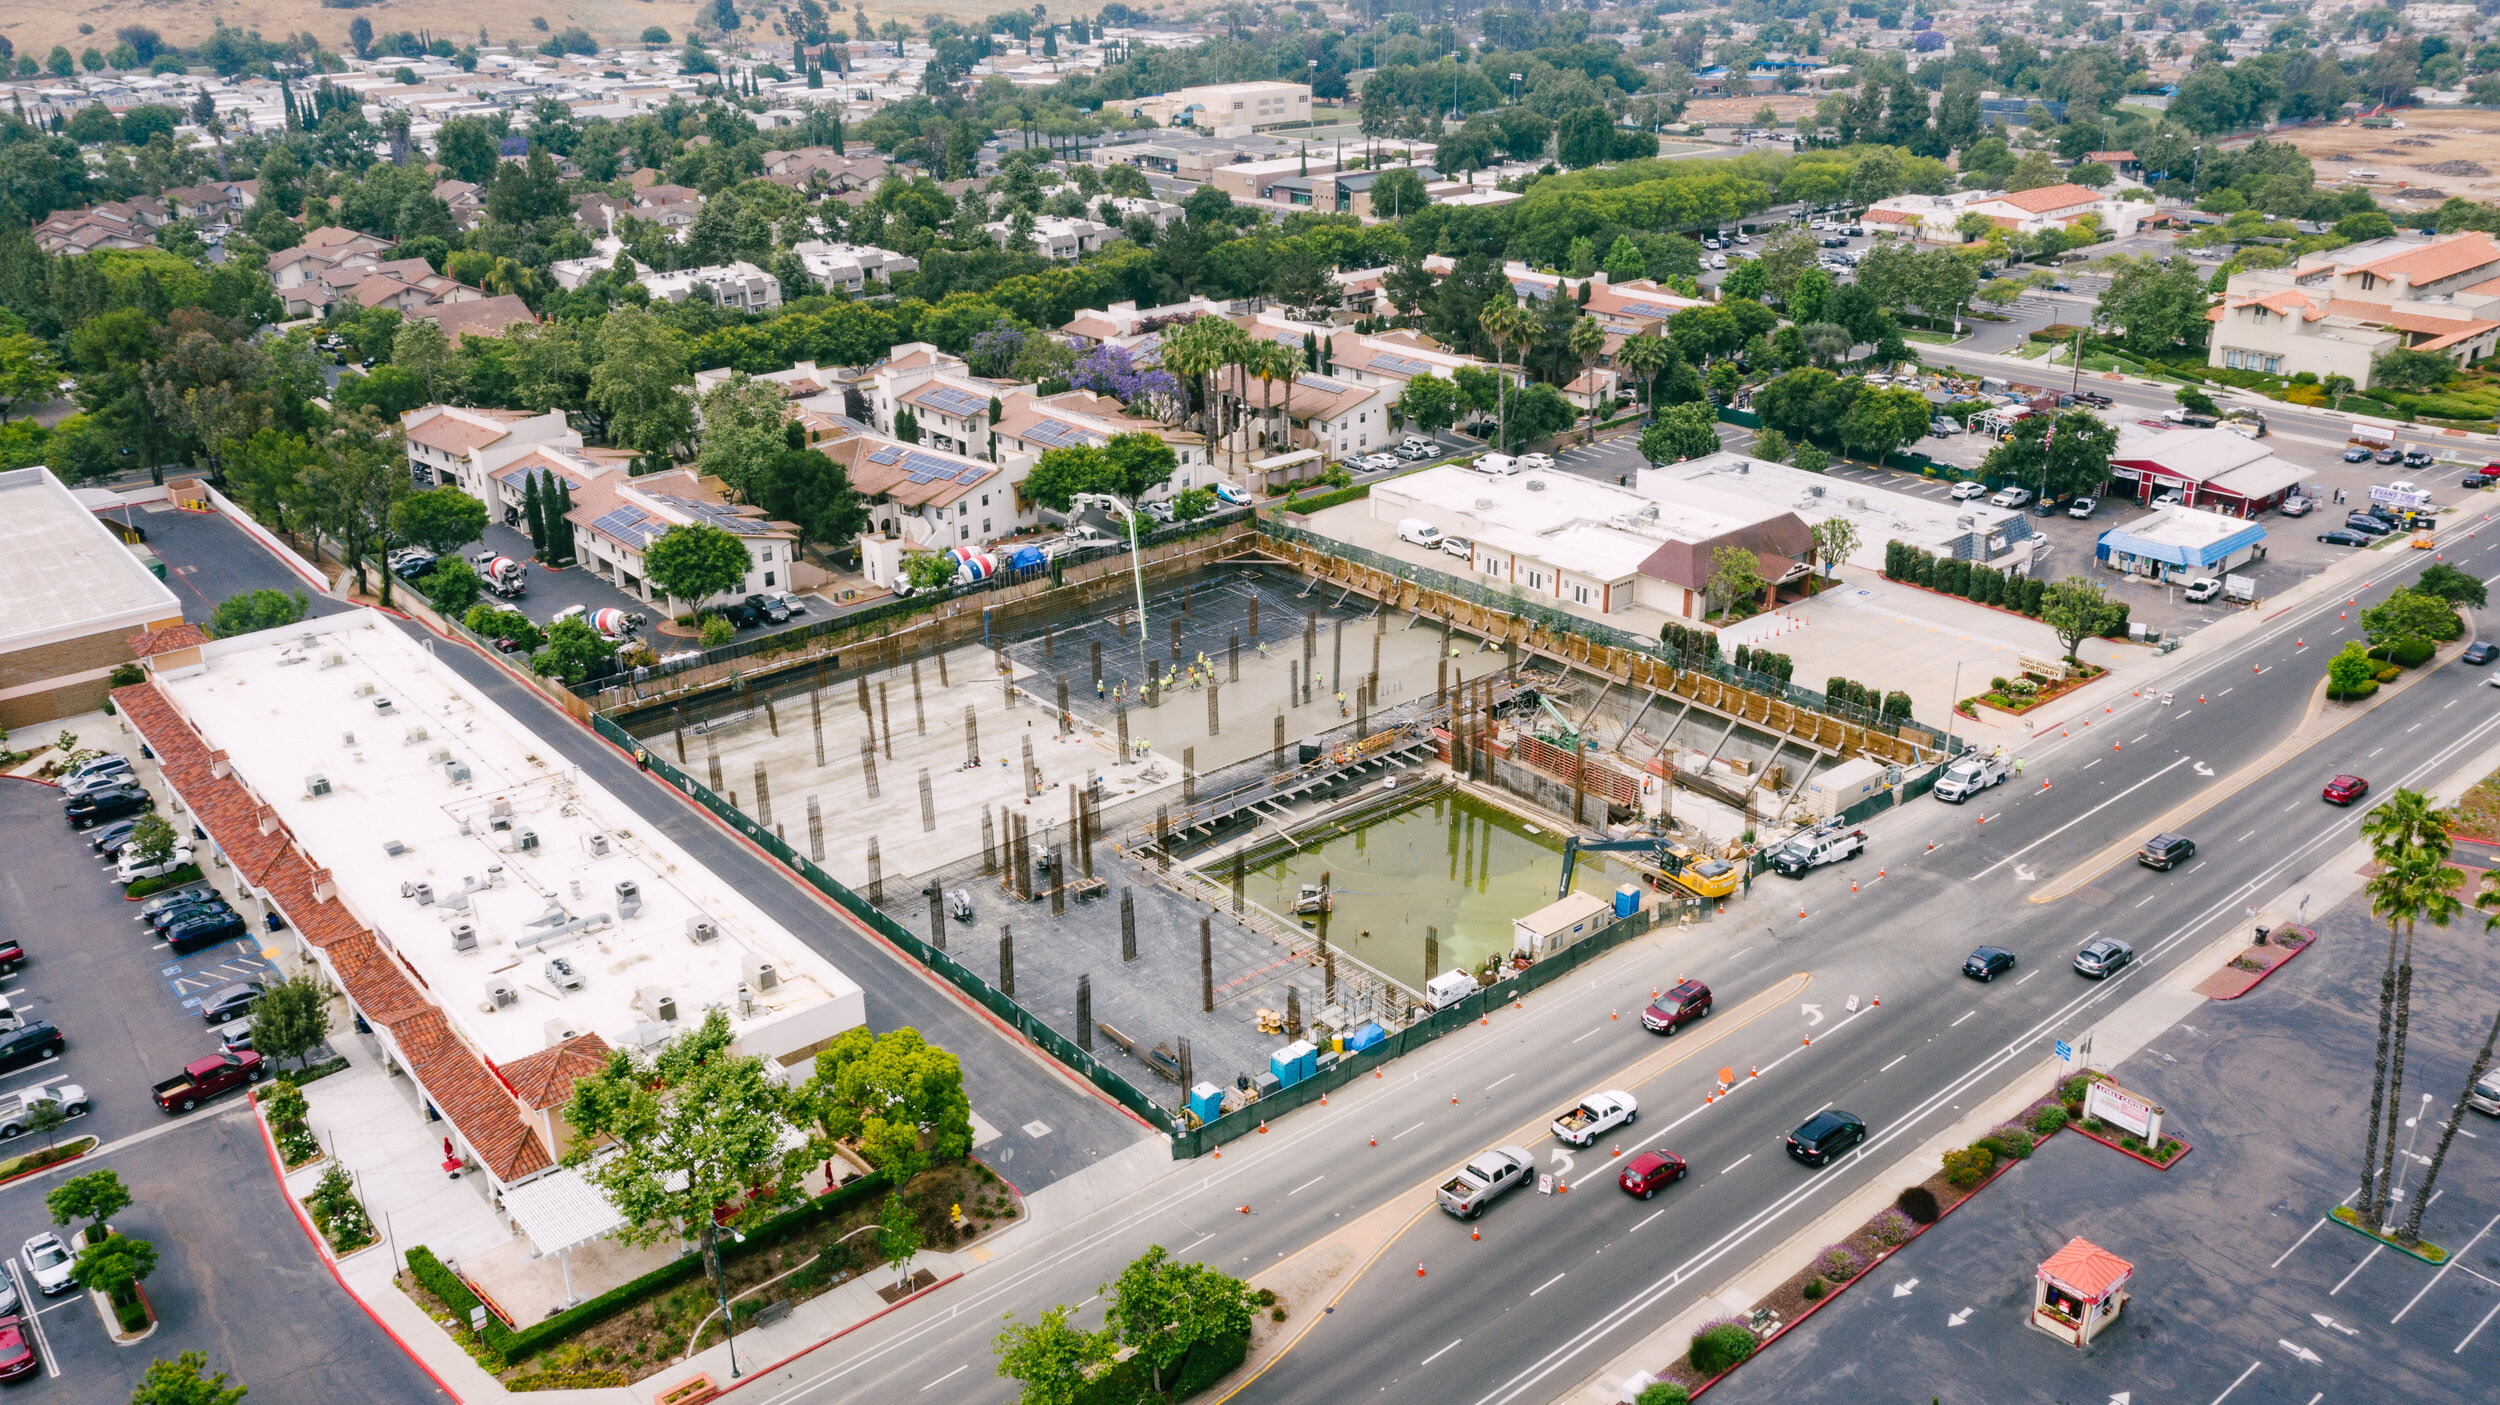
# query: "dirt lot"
[2438,154]
[1739,111]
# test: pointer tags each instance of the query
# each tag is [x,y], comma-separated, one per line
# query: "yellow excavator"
[1697,873]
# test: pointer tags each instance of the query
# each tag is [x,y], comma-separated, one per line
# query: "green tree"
[1059,475]
[2416,371]
[251,611]
[1050,1358]
[1161,1309]
[2445,582]
[1880,421]
[96,1196]
[1735,574]
[451,587]
[291,1020]
[1429,403]
[890,1094]
[693,1136]
[929,570]
[113,1266]
[811,492]
[2058,455]
[2195,401]
[420,348]
[183,1380]
[694,562]
[154,838]
[489,621]
[1142,461]
[1190,504]
[744,425]
[1537,412]
[1835,540]
[898,1235]
[1680,432]
[2410,842]
[1624,262]
[28,375]
[2350,668]
[1644,357]
[2154,306]
[2407,617]
[442,520]
[643,364]
[2075,609]
[573,650]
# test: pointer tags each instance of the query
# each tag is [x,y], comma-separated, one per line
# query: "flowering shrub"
[1110,370]
[2011,1141]
[995,350]
[1891,1228]
[1839,1263]
[1968,1166]
[1720,1343]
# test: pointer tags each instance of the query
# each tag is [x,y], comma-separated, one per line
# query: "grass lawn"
[1931,338]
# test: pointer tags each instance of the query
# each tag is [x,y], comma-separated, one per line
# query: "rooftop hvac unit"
[316,784]
[760,974]
[628,898]
[464,936]
[439,755]
[393,848]
[456,772]
[656,1003]
[494,875]
[382,706]
[598,846]
[558,1030]
[500,995]
[347,738]
[746,1002]
[500,807]
[563,974]
[525,841]
[422,892]
[365,689]
[455,902]
[1535,485]
[307,639]
[413,736]
[333,659]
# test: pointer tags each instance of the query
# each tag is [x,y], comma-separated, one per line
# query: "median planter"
[129,1321]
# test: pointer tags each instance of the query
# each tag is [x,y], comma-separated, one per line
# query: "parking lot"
[209,560]
[554,590]
[2241,1286]
[235,1276]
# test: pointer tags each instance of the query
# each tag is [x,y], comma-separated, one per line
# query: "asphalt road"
[1557,1285]
[209,560]
[1011,1086]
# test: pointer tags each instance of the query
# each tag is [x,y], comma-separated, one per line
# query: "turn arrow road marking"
[2332,1325]
[1959,1318]
[1813,1013]
[2300,1351]
[1902,1290]
[1562,1159]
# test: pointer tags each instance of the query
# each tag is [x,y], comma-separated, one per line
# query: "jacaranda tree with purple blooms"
[1110,370]
[993,352]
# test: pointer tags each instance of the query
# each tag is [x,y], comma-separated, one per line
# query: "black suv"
[771,609]
[1987,963]
[33,1044]
[201,905]
[206,929]
[96,806]
[1826,1135]
[2166,851]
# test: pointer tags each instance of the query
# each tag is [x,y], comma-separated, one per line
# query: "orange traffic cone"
[1472,1234]
[1375,1139]
[1753,1071]
[1809,1039]
[1419,1268]
[1453,1099]
[1245,1209]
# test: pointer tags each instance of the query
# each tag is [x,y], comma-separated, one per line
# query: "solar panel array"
[929,468]
[1530,290]
[947,399]
[629,526]
[1059,435]
[1324,386]
[889,455]
[1649,309]
[1397,365]
[723,516]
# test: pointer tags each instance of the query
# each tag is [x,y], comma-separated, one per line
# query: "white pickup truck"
[15,1107]
[1971,774]
[1828,842]
[1479,1181]
[1597,1114]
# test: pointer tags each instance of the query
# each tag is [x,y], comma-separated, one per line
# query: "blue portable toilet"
[1025,558]
[1294,1062]
[1627,900]
[1206,1102]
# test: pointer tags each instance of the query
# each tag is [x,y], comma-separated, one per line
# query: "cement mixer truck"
[506,577]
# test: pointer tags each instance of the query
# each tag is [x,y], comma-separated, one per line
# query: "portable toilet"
[1448,988]
[1627,900]
[1293,1062]
[1206,1102]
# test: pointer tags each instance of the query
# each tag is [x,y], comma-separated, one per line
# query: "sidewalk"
[2329,882]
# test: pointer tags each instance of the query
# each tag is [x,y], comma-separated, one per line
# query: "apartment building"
[2337,311]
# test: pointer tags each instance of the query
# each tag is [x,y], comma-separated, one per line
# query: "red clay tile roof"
[148,643]
[458,433]
[2087,1268]
[462,1086]
[545,1079]
[2443,258]
[2049,197]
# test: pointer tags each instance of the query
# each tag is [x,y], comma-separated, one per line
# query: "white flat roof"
[62,574]
[1540,503]
[2175,525]
[1879,513]
[284,711]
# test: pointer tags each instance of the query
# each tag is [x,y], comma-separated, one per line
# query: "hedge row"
[1894,706]
[1128,1383]
[1986,585]
[514,1345]
[1766,663]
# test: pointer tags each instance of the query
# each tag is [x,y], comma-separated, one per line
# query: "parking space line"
[2443,1269]
[2235,1385]
[51,1362]
[2478,1327]
[2375,1251]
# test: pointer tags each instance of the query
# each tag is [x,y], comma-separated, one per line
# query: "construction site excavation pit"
[981,795]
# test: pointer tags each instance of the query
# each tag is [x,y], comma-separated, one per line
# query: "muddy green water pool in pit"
[1455,864]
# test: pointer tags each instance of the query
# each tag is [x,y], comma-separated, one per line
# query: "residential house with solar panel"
[462,447]
[926,499]
[1391,358]
[1340,418]
[617,516]
[894,383]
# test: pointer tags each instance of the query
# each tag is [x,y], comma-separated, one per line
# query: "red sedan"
[2343,790]
[1651,1172]
[17,1353]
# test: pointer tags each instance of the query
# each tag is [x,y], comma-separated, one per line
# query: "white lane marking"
[2095,761]
[2375,1251]
[1410,1129]
[1584,1036]
[2243,838]
[2235,1385]
[2223,694]
[1306,1185]
[1652,1215]
[2034,971]
[2278,1262]
[1957,1022]
[1441,1353]
[949,1375]
[52,1363]
[1888,1067]
[2148,899]
[2375,751]
[2443,1270]
[2478,1327]
[1185,1248]
[2070,824]
[1741,1160]
[1498,1082]
[1548,1283]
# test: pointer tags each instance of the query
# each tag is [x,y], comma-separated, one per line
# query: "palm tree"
[1194,351]
[1587,342]
[1646,356]
[1503,324]
[1271,362]
[2414,884]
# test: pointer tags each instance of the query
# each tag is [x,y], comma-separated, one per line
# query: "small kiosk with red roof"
[2079,1290]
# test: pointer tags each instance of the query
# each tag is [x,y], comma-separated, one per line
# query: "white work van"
[1499,465]
[1418,531]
